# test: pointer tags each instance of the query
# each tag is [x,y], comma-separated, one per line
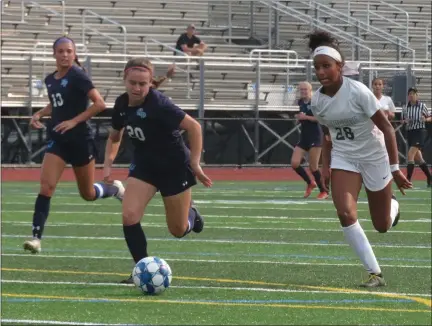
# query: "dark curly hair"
[321,38]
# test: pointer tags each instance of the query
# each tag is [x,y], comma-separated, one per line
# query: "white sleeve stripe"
[101,191]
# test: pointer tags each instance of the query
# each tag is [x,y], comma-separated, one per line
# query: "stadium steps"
[164,21]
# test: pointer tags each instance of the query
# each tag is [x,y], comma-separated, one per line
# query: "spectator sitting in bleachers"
[189,43]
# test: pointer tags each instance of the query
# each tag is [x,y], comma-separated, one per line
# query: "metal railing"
[86,26]
[315,23]
[285,58]
[37,4]
[405,13]
[366,26]
[211,22]
[227,17]
[284,62]
[428,42]
[6,4]
[370,13]
[285,67]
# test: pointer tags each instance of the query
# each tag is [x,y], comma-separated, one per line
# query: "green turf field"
[266,256]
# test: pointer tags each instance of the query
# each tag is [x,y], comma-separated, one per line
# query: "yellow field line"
[424,301]
[146,300]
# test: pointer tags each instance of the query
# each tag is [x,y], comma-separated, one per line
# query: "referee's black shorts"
[416,137]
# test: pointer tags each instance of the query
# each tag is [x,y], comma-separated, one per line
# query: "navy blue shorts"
[169,182]
[306,142]
[77,153]
[416,138]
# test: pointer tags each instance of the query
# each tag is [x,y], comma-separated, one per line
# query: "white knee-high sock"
[357,239]
[394,210]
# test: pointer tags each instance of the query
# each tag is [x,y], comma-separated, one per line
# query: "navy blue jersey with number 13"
[69,98]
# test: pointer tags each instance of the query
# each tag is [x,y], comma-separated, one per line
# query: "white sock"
[357,239]
[394,209]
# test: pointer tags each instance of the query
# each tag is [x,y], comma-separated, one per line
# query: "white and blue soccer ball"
[152,275]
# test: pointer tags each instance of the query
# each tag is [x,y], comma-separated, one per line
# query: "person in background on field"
[415,115]
[310,142]
[71,137]
[386,102]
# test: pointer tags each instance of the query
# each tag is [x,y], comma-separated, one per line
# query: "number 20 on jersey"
[135,133]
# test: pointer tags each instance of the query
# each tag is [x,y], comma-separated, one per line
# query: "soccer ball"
[152,275]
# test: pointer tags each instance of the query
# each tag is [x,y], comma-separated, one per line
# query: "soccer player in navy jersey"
[71,137]
[161,160]
[310,142]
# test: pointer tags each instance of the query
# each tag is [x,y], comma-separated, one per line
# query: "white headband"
[326,50]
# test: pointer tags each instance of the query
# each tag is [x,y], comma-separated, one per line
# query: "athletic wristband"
[394,167]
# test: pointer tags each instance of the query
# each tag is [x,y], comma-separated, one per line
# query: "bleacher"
[153,28]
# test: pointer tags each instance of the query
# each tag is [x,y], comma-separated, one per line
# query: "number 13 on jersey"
[135,133]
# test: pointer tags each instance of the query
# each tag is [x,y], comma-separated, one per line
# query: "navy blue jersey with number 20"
[69,97]
[153,127]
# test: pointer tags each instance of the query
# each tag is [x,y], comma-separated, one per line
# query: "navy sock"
[191,219]
[41,211]
[317,176]
[302,172]
[104,190]
[136,241]
[423,166]
[410,170]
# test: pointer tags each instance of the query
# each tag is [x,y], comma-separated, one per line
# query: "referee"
[415,115]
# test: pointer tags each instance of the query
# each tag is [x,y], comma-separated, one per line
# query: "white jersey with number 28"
[347,115]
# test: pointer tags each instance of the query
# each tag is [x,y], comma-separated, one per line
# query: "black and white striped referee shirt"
[414,113]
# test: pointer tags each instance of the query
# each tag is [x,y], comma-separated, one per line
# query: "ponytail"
[78,63]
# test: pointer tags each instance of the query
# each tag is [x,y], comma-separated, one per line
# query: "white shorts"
[376,175]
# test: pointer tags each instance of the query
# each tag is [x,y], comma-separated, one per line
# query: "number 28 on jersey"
[343,133]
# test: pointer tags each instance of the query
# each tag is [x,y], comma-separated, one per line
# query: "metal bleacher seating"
[152,27]
[164,20]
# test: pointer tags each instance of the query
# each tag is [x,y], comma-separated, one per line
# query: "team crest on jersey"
[140,112]
[64,82]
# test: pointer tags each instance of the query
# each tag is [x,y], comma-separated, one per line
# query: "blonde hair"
[309,85]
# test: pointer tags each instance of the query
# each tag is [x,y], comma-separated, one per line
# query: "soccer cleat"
[199,221]
[398,214]
[120,192]
[309,189]
[34,246]
[127,280]
[374,281]
[323,195]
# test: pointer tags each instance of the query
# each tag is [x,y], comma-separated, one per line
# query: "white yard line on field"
[230,241]
[216,261]
[230,227]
